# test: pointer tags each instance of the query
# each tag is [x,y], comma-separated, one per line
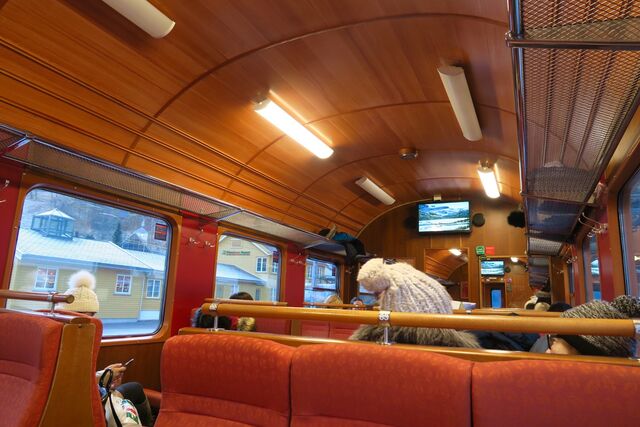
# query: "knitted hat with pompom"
[81,285]
[403,288]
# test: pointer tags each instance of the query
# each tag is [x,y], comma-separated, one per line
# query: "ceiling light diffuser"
[514,259]
[294,129]
[455,84]
[489,181]
[370,187]
[455,251]
[144,15]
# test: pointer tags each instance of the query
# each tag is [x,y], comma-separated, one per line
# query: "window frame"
[159,288]
[588,259]
[36,180]
[55,281]
[115,289]
[261,260]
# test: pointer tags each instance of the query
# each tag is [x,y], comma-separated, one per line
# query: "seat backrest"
[368,385]
[224,380]
[314,328]
[273,326]
[341,330]
[536,393]
[28,355]
[96,403]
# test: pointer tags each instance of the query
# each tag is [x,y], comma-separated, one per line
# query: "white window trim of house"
[157,288]
[44,288]
[274,267]
[261,264]
[115,291]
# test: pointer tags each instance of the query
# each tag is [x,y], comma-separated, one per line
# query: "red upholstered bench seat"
[225,380]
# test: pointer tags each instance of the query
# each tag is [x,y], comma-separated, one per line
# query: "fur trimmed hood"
[420,336]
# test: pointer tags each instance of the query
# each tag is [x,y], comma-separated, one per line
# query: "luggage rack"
[576,66]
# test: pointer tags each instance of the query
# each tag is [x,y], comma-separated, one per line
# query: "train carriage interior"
[319,212]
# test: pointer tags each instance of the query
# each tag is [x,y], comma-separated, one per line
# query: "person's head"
[81,286]
[242,295]
[333,299]
[591,344]
[207,321]
[559,307]
[403,288]
[357,301]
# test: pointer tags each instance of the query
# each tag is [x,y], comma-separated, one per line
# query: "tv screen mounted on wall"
[444,217]
[491,267]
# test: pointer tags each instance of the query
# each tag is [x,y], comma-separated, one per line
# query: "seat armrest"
[155,398]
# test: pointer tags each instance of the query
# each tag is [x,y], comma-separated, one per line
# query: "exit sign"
[479,250]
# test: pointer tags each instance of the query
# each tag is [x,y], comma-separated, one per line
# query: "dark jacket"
[420,336]
[505,340]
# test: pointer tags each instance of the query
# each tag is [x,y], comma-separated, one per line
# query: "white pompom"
[373,275]
[82,278]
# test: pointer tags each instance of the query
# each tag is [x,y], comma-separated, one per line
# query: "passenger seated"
[359,304]
[403,288]
[81,285]
[246,324]
[333,299]
[622,308]
[541,345]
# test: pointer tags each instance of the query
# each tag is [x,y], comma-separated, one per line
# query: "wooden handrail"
[508,312]
[477,355]
[349,306]
[246,302]
[565,326]
[36,296]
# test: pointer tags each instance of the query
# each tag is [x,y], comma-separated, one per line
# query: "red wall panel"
[294,278]
[8,206]
[195,273]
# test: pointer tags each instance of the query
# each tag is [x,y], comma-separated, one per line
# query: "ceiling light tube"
[144,15]
[514,259]
[455,251]
[489,181]
[287,124]
[370,187]
[455,84]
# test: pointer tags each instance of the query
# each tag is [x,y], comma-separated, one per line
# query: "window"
[60,234]
[261,265]
[46,279]
[321,280]
[243,267]
[153,288]
[591,268]
[629,213]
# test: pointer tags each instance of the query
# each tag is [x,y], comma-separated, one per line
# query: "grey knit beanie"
[599,345]
[403,288]
[627,305]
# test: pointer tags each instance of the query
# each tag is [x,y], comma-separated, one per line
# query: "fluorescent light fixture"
[514,259]
[287,124]
[370,187]
[144,15]
[489,181]
[457,89]
[455,251]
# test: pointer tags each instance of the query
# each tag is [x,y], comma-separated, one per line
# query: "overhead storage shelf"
[102,175]
[577,83]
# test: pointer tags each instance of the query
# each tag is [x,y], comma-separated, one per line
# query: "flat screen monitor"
[444,217]
[491,267]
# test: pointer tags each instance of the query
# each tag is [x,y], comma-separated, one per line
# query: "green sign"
[243,253]
[479,250]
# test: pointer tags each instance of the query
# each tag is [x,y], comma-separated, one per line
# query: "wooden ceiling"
[361,72]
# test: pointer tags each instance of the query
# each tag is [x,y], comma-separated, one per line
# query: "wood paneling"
[395,235]
[145,369]
[180,108]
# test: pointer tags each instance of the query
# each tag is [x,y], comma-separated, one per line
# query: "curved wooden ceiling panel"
[362,73]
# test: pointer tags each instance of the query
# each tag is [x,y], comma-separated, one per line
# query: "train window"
[60,234]
[629,213]
[591,268]
[321,280]
[246,265]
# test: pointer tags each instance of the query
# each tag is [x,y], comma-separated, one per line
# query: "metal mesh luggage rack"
[576,71]
[105,176]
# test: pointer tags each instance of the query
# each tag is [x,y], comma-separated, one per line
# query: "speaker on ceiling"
[516,219]
[477,220]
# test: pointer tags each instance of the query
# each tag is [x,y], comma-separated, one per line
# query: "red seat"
[28,356]
[273,326]
[367,385]
[314,328]
[342,331]
[539,393]
[224,381]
